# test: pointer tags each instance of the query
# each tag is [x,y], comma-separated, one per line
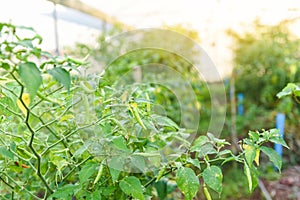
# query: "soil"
[287,187]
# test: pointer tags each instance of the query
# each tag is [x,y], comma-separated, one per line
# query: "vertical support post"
[55,30]
[240,98]
[280,118]
[137,74]
[234,147]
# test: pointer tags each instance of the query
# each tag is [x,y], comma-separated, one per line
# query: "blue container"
[240,98]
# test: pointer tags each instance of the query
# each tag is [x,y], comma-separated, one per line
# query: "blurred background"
[254,44]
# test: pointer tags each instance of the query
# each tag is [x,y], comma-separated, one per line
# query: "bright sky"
[210,17]
[39,15]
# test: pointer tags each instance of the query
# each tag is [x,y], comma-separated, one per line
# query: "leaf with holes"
[213,177]
[132,186]
[187,182]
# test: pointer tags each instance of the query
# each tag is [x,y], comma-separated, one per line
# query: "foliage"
[67,136]
[266,59]
[291,89]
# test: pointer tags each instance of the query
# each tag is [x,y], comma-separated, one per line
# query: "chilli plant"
[66,136]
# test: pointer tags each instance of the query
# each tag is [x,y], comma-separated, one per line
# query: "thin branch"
[296,99]
[54,134]
[10,110]
[56,119]
[19,186]
[30,144]
[12,92]
[47,95]
[154,178]
[69,135]
[76,167]
[6,183]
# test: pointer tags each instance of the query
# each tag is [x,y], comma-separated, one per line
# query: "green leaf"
[4,65]
[252,177]
[194,162]
[65,192]
[275,137]
[165,121]
[250,153]
[205,149]
[132,186]
[117,162]
[107,190]
[224,152]
[87,171]
[201,140]
[31,77]
[161,188]
[160,173]
[279,140]
[96,195]
[215,140]
[273,156]
[80,151]
[120,143]
[253,135]
[4,152]
[187,182]
[171,186]
[138,162]
[62,76]
[290,89]
[213,177]
[114,173]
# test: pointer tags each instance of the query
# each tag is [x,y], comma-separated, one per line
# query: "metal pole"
[234,147]
[55,30]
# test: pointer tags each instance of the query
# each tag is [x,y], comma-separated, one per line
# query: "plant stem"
[21,187]
[76,167]
[69,135]
[6,183]
[153,179]
[30,144]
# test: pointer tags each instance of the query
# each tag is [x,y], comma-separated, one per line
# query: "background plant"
[267,59]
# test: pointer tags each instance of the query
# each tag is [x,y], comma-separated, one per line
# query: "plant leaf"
[201,140]
[165,121]
[205,149]
[87,171]
[95,195]
[132,186]
[119,143]
[65,192]
[252,177]
[290,89]
[62,76]
[31,77]
[161,188]
[213,177]
[250,153]
[4,152]
[279,140]
[138,162]
[273,156]
[187,182]
[114,173]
